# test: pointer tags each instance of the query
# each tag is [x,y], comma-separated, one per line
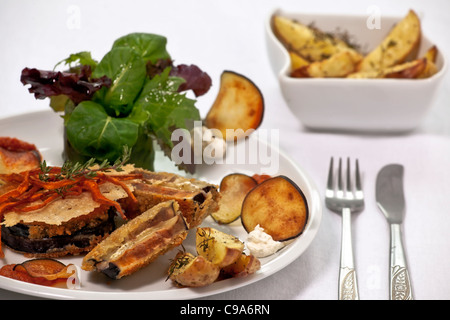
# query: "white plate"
[44,129]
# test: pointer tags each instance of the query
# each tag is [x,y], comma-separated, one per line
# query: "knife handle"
[399,284]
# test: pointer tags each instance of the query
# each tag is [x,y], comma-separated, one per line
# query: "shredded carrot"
[33,192]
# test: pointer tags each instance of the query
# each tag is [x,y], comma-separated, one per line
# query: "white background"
[229,35]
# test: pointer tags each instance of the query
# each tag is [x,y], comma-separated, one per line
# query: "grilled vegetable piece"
[188,270]
[42,267]
[239,106]
[46,272]
[138,242]
[278,206]
[400,45]
[218,247]
[233,188]
[18,156]
[243,266]
[309,43]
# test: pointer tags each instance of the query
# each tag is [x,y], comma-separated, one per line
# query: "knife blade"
[391,202]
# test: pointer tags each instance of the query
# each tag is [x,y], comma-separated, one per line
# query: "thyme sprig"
[207,239]
[72,171]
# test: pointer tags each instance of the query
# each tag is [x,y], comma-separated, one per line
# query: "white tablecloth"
[219,35]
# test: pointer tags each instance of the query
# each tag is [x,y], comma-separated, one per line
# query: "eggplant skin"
[112,271]
[18,239]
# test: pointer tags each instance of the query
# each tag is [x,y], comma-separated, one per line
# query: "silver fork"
[346,200]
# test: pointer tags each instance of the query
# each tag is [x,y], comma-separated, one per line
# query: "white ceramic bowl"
[361,105]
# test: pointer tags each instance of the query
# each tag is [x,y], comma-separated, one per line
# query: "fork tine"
[330,176]
[340,188]
[357,177]
[349,183]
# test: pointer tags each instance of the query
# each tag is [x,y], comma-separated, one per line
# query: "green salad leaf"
[126,68]
[151,47]
[92,132]
[81,58]
[166,108]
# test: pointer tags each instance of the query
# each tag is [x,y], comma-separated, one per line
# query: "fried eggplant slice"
[233,189]
[18,156]
[138,242]
[278,206]
[239,107]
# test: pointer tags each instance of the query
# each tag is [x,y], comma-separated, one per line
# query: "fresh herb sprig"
[207,239]
[72,171]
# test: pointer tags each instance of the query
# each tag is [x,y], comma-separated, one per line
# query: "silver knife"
[391,201]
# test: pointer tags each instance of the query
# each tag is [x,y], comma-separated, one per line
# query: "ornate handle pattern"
[348,286]
[400,284]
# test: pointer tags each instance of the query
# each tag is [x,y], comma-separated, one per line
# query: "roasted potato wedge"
[243,266]
[419,68]
[233,189]
[338,65]
[187,270]
[218,247]
[239,106]
[309,43]
[400,45]
[278,206]
[407,70]
[431,54]
[297,61]
[430,68]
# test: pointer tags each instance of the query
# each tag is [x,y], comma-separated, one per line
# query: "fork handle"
[348,287]
[399,284]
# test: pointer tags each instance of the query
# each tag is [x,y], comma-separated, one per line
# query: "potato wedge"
[308,42]
[408,70]
[431,54]
[218,247]
[243,266]
[338,65]
[233,189]
[297,61]
[430,68]
[187,270]
[239,106]
[278,206]
[400,45]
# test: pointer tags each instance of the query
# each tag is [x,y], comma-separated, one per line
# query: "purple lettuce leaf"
[77,86]
[195,79]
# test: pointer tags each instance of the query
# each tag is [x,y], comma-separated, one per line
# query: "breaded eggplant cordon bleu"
[57,211]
